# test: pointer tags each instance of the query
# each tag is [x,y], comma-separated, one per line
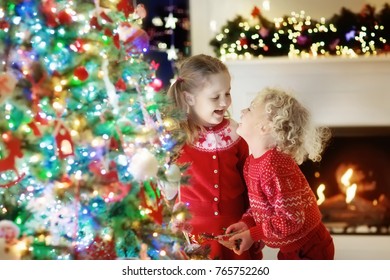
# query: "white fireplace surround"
[339,92]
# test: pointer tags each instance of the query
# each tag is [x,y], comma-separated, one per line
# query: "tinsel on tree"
[87,136]
[298,35]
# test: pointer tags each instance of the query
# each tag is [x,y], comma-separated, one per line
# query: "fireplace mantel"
[339,91]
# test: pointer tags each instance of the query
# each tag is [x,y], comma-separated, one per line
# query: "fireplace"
[352,182]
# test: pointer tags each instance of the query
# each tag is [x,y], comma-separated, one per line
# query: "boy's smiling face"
[252,119]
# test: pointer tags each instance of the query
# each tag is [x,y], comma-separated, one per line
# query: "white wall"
[217,12]
[337,91]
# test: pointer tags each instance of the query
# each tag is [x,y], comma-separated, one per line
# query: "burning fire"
[349,189]
[320,194]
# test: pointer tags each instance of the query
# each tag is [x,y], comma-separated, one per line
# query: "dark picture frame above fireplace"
[352,181]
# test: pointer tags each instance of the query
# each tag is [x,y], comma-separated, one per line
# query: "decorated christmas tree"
[88,138]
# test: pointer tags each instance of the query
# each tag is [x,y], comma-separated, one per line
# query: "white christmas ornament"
[169,190]
[172,53]
[171,187]
[173,174]
[143,165]
[170,21]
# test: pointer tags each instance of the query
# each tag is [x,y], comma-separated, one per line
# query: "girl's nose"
[223,102]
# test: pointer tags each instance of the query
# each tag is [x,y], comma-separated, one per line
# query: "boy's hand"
[243,240]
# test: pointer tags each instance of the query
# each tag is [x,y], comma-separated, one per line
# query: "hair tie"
[179,79]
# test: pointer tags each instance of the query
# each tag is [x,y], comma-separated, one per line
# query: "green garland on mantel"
[297,35]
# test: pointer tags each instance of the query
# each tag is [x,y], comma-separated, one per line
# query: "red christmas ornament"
[4,24]
[64,18]
[255,12]
[120,85]
[81,73]
[47,7]
[125,6]
[63,140]
[243,41]
[156,84]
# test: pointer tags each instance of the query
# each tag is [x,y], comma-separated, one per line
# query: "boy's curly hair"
[291,126]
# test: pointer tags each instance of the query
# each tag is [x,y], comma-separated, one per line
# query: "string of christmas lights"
[298,35]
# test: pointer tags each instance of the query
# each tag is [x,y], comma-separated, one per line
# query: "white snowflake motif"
[300,217]
[307,202]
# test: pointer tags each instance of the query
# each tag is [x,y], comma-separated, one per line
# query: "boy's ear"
[190,99]
[265,128]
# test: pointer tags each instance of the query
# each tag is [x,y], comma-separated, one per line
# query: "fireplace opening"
[352,182]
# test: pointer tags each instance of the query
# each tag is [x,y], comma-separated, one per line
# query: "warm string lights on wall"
[298,35]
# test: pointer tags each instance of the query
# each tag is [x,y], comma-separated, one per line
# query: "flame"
[350,193]
[345,179]
[350,190]
[320,194]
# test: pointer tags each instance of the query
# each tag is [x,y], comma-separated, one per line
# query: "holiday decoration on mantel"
[87,139]
[298,35]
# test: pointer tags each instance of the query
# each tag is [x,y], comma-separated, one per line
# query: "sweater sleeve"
[243,152]
[286,213]
[247,218]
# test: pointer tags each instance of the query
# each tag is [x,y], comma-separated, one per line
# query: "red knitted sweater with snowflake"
[283,209]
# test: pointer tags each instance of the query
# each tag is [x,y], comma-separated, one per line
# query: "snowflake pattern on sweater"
[283,208]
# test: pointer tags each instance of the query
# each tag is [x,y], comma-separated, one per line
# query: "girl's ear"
[190,99]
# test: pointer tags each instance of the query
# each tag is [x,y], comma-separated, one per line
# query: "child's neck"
[260,147]
[258,152]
